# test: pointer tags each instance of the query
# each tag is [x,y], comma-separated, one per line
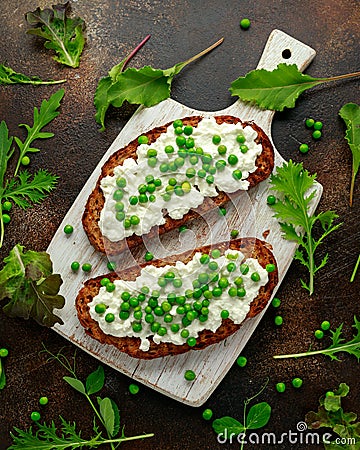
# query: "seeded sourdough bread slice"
[250,247]
[96,200]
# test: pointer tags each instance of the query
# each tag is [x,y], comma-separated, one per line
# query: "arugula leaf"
[279,88]
[9,76]
[31,287]
[330,414]
[295,187]
[48,112]
[350,113]
[145,86]
[47,437]
[64,35]
[24,191]
[352,347]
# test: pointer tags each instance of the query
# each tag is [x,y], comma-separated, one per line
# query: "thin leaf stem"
[317,352]
[204,52]
[352,184]
[342,77]
[136,49]
[355,270]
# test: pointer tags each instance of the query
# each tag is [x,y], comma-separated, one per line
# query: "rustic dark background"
[178,30]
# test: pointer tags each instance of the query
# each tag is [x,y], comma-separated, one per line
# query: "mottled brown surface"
[96,200]
[179,30]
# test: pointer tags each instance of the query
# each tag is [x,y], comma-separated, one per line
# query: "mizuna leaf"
[9,76]
[279,88]
[63,34]
[350,113]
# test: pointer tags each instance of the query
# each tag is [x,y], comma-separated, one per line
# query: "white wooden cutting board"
[247,212]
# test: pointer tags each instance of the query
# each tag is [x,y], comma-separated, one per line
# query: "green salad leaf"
[296,190]
[279,88]
[9,76]
[350,113]
[352,347]
[64,35]
[30,286]
[145,86]
[330,414]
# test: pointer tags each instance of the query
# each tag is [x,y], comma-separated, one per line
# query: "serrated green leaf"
[95,381]
[9,76]
[76,384]
[350,113]
[276,89]
[258,416]
[64,35]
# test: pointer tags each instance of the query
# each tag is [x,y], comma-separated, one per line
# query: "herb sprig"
[279,88]
[296,189]
[330,414]
[350,113]
[338,345]
[145,86]
[64,35]
[257,417]
[23,189]
[48,437]
[9,76]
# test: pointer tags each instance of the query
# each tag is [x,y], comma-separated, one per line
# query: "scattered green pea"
[109,317]
[4,352]
[316,134]
[234,234]
[100,308]
[325,325]
[304,148]
[270,267]
[6,206]
[318,125]
[276,302]
[111,265]
[241,361]
[319,334]
[309,122]
[271,200]
[245,23]
[35,416]
[6,218]
[207,414]
[110,287]
[68,229]
[148,256]
[189,375]
[86,267]
[143,140]
[278,321]
[25,160]
[75,266]
[222,211]
[297,382]
[43,400]
[134,388]
[280,387]
[182,228]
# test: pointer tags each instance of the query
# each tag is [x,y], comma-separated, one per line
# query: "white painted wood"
[246,211]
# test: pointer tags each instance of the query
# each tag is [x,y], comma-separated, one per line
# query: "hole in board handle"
[286,54]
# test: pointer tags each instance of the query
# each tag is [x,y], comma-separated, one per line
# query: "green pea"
[309,122]
[121,182]
[241,361]
[75,266]
[244,148]
[244,269]
[217,292]
[204,259]
[297,382]
[189,143]
[134,220]
[201,173]
[118,195]
[280,387]
[177,123]
[271,200]
[111,265]
[127,224]
[220,165]
[231,267]
[318,125]
[86,267]
[6,218]
[223,283]
[109,317]
[164,167]
[276,302]
[215,253]
[216,139]
[238,281]
[68,229]
[222,211]
[143,139]
[124,315]
[278,321]
[222,149]
[178,130]
[182,228]
[237,174]
[241,292]
[143,198]
[6,206]
[190,172]
[325,325]
[224,314]
[245,23]
[213,265]
[189,375]
[255,277]
[148,256]
[120,216]
[134,388]
[193,160]
[25,160]
[233,159]
[232,292]
[319,334]
[43,400]
[240,138]
[316,134]
[207,414]
[35,416]
[100,308]
[162,331]
[152,161]
[119,206]
[234,234]
[169,149]
[210,179]
[133,200]
[191,341]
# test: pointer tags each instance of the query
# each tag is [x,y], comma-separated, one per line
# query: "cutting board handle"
[280,47]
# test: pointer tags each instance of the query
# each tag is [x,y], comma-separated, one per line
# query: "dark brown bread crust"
[96,200]
[250,247]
